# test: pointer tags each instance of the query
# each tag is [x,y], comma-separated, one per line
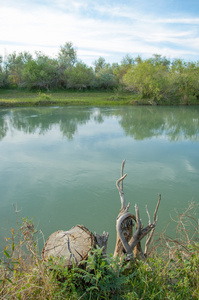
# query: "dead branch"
[101,241]
[153,229]
[127,242]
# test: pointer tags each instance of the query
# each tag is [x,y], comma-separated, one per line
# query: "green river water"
[59,165]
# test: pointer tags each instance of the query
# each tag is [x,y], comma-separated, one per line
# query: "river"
[59,165]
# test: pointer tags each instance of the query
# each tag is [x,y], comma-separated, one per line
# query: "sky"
[110,29]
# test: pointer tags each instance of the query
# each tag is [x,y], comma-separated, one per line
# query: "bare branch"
[120,231]
[155,219]
[121,193]
[127,209]
[148,215]
[154,216]
[122,169]
[138,220]
[148,242]
[135,239]
[147,229]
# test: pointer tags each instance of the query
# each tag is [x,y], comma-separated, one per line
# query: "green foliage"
[154,80]
[104,72]
[100,64]
[16,64]
[44,96]
[67,55]
[79,77]
[185,80]
[40,73]
[106,79]
[147,78]
[105,276]
[73,97]
[3,73]
[96,278]
[171,273]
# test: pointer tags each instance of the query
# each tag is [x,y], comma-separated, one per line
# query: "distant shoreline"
[17,98]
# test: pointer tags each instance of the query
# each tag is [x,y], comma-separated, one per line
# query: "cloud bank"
[107,28]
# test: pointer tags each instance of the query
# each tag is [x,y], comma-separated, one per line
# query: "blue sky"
[110,29]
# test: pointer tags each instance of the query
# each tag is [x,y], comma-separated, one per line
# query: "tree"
[79,76]
[105,77]
[16,64]
[148,79]
[157,59]
[185,79]
[100,64]
[3,72]
[41,73]
[67,55]
[127,60]
[126,64]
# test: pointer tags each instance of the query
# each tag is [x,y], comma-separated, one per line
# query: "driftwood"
[75,244]
[127,242]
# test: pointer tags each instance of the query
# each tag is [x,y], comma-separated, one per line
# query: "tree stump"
[73,245]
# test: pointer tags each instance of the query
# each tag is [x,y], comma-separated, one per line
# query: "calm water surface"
[59,164]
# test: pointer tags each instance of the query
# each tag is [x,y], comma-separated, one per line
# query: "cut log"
[73,245]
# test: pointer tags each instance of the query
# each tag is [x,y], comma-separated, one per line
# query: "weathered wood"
[124,225]
[102,240]
[127,242]
[72,245]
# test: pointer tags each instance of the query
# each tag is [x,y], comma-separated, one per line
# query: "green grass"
[171,273]
[11,98]
[14,98]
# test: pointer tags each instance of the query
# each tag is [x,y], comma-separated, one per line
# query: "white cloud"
[189,167]
[96,29]
[192,21]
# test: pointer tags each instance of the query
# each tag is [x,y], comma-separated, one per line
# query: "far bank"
[15,98]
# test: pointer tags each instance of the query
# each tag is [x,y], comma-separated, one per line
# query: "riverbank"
[18,98]
[170,272]
[13,98]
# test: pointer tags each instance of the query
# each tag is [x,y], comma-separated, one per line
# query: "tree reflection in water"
[138,122]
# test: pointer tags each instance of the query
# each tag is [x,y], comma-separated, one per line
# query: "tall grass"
[171,271]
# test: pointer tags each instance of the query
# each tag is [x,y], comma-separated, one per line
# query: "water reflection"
[60,164]
[3,124]
[41,120]
[175,122]
[138,122]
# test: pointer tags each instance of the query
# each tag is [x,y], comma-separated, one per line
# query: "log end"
[72,245]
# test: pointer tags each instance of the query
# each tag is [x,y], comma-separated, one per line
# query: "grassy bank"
[11,98]
[171,271]
[15,98]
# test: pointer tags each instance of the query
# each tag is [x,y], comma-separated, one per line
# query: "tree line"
[156,78]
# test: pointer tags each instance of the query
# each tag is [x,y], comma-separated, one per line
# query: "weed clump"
[44,96]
